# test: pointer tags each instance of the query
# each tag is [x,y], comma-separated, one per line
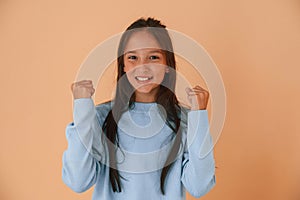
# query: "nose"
[143,61]
[143,64]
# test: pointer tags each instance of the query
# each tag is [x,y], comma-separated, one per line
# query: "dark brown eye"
[154,57]
[132,57]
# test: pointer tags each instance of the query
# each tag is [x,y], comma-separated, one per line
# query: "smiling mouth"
[144,78]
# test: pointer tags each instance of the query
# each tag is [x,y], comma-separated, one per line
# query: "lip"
[143,79]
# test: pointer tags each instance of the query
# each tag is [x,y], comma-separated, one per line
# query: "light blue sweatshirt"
[144,140]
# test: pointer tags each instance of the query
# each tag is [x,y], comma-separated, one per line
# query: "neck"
[145,97]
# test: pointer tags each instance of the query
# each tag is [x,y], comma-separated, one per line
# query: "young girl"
[119,146]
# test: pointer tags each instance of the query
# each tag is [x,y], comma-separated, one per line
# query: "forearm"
[81,159]
[80,168]
[198,173]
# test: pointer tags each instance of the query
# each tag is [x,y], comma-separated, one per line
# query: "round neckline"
[138,102]
[142,106]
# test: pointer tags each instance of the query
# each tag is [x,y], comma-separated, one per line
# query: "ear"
[167,69]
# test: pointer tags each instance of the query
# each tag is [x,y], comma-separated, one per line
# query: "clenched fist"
[82,89]
[198,97]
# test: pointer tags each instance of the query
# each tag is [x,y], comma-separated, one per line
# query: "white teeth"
[142,78]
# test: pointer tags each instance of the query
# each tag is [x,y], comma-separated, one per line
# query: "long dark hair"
[125,97]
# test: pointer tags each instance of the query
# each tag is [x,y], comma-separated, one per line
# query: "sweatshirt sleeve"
[81,159]
[198,165]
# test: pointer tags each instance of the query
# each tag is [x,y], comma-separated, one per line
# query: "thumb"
[187,90]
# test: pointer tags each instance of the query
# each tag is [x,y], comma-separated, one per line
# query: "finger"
[75,84]
[201,91]
[199,88]
[84,84]
[192,93]
[84,81]
[194,90]
[198,95]
[187,89]
[91,91]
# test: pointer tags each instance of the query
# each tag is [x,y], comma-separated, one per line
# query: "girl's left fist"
[198,97]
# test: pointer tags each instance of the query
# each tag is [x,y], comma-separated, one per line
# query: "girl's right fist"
[82,89]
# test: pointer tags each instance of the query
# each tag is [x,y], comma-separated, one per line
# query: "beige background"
[255,44]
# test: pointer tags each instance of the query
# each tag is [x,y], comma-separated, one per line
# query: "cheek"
[128,69]
[127,66]
[162,76]
[160,72]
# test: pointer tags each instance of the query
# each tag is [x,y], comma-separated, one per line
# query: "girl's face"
[145,65]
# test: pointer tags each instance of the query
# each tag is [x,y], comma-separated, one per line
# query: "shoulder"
[103,109]
[184,110]
[104,106]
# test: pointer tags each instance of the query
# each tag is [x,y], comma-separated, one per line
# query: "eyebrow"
[153,51]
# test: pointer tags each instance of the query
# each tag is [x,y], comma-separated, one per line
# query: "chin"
[144,90]
[147,89]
